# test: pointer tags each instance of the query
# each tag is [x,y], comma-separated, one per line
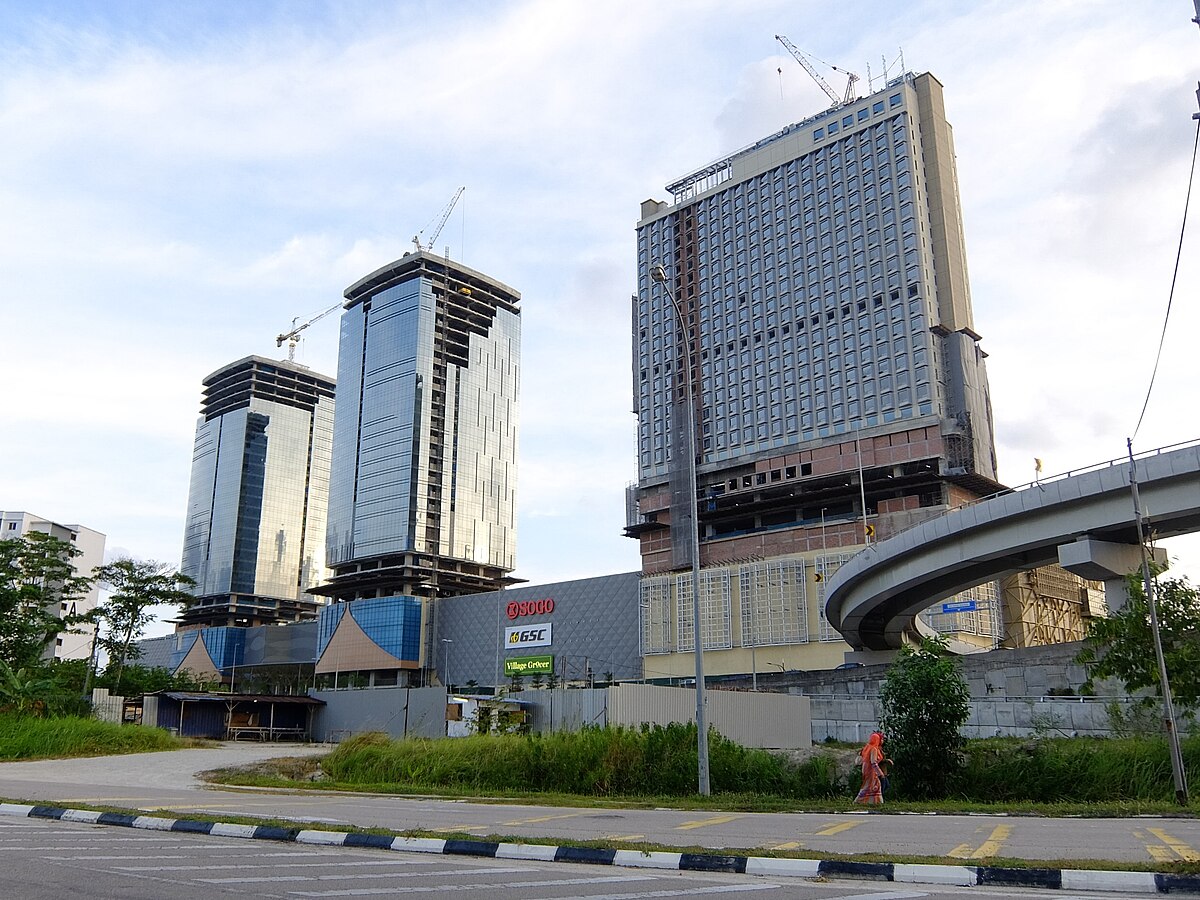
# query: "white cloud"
[181,185]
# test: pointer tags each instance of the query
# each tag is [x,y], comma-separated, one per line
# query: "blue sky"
[179,181]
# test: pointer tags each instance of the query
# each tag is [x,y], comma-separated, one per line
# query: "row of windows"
[848,121]
[803,295]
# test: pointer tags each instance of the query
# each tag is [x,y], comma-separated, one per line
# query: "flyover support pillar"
[1107,562]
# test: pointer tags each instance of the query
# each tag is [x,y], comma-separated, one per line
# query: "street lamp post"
[447,641]
[658,274]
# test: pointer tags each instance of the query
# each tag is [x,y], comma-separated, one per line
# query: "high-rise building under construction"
[840,390]
[255,531]
[423,487]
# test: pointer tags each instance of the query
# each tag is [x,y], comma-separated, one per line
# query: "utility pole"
[1177,769]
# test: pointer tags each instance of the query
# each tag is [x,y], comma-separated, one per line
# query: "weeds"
[26,737]
[593,762]
[660,762]
[1088,770]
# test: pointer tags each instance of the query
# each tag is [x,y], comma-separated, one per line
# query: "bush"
[1000,770]
[27,737]
[925,702]
[648,761]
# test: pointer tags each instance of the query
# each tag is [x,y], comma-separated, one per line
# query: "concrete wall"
[1010,694]
[397,711]
[777,721]
[1013,692]
[853,720]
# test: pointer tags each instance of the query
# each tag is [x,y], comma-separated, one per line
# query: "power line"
[1174,275]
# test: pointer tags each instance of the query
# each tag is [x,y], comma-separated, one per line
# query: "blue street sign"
[959,606]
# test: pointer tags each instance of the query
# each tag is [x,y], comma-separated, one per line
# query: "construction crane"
[294,335]
[801,58]
[440,223]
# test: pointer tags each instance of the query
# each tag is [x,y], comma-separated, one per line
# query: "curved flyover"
[873,598]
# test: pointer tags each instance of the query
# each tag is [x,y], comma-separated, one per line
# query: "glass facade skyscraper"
[422,497]
[839,386]
[254,537]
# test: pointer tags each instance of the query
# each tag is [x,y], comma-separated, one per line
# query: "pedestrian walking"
[871,757]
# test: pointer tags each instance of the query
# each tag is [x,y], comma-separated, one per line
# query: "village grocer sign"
[529,665]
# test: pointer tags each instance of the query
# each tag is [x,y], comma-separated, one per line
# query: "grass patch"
[26,737]
[655,761]
[654,767]
[1074,770]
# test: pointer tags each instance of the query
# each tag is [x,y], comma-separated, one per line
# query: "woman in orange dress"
[871,755]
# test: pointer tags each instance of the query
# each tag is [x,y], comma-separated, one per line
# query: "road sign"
[959,606]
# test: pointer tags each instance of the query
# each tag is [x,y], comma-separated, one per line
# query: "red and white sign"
[516,609]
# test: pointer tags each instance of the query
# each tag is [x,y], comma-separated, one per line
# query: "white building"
[90,543]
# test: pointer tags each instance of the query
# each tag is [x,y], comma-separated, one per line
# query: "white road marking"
[358,864]
[277,879]
[456,887]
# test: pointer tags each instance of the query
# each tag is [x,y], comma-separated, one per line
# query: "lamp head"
[659,274]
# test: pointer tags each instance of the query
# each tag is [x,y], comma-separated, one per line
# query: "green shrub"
[648,761]
[27,737]
[1001,770]
[924,701]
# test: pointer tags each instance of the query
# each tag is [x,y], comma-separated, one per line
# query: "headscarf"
[873,747]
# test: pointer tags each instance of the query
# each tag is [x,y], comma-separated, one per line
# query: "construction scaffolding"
[1048,606]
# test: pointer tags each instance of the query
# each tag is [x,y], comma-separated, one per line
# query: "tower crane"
[440,223]
[801,58]
[294,335]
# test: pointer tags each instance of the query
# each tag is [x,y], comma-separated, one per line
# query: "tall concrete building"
[255,530]
[77,643]
[840,390]
[422,495]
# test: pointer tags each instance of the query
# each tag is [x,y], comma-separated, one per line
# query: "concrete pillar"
[1107,562]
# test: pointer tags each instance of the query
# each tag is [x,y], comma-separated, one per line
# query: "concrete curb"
[1069,879]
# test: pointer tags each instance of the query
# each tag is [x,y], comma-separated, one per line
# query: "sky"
[180,181]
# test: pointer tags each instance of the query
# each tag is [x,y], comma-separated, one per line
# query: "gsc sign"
[528,636]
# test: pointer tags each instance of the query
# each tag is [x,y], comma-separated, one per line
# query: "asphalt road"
[167,782]
[88,862]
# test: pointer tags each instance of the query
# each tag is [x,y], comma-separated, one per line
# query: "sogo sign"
[530,608]
[528,636]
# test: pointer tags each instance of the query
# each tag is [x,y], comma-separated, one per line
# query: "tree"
[1122,646]
[925,702]
[136,587]
[37,580]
